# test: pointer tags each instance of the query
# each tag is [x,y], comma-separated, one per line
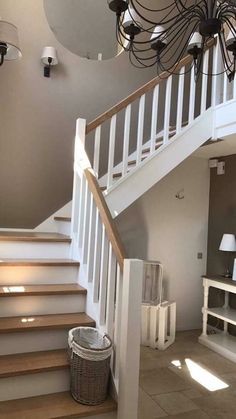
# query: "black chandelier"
[163,36]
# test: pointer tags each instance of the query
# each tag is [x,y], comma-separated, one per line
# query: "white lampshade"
[9,36]
[49,52]
[231,38]
[228,243]
[130,16]
[195,40]
[159,34]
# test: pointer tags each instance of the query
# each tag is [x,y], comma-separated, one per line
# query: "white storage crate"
[158,316]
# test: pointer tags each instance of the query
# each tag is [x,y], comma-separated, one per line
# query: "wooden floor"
[46,322]
[53,406]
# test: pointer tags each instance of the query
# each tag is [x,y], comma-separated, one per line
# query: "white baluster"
[111,151]
[225,88]
[103,278]
[97,257]
[92,225]
[204,81]
[86,224]
[155,100]
[126,140]
[234,88]
[180,100]
[140,129]
[119,287]
[216,80]
[81,210]
[167,109]
[111,292]
[75,204]
[192,96]
[97,150]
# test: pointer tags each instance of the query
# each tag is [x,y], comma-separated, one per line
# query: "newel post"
[130,339]
[79,139]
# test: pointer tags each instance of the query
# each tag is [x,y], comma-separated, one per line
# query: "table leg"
[205,307]
[226,305]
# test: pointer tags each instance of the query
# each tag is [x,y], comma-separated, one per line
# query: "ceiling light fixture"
[9,42]
[162,36]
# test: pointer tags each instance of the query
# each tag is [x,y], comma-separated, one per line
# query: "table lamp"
[228,244]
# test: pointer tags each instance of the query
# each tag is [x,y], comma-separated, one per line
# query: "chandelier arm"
[178,57]
[176,38]
[141,62]
[162,22]
[194,7]
[180,23]
[155,10]
[229,24]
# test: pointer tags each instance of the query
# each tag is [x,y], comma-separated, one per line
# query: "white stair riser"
[64,227]
[40,305]
[26,275]
[30,250]
[31,385]
[45,340]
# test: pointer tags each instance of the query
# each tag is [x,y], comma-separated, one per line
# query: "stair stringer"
[132,186]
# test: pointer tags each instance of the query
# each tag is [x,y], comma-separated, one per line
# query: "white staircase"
[40,300]
[147,135]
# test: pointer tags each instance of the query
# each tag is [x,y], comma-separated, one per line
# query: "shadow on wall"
[133,232]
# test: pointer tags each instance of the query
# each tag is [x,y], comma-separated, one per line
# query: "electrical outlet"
[200,255]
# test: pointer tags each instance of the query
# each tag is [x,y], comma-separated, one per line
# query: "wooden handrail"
[106,218]
[139,92]
[135,95]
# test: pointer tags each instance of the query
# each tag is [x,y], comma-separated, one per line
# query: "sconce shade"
[9,36]
[49,52]
[228,243]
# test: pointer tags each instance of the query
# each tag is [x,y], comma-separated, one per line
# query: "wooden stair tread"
[65,219]
[38,262]
[45,322]
[34,362]
[52,406]
[29,290]
[34,237]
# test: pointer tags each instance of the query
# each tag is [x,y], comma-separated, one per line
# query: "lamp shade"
[159,34]
[231,39]
[9,36]
[228,243]
[49,52]
[130,17]
[196,40]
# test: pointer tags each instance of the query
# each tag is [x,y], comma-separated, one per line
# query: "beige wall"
[160,227]
[37,115]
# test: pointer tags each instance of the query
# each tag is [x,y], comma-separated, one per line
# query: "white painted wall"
[161,227]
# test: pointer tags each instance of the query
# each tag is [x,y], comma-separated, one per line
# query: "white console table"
[222,342]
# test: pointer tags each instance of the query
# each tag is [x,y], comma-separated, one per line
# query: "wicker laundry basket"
[90,355]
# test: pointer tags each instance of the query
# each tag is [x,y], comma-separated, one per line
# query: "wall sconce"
[9,42]
[49,58]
